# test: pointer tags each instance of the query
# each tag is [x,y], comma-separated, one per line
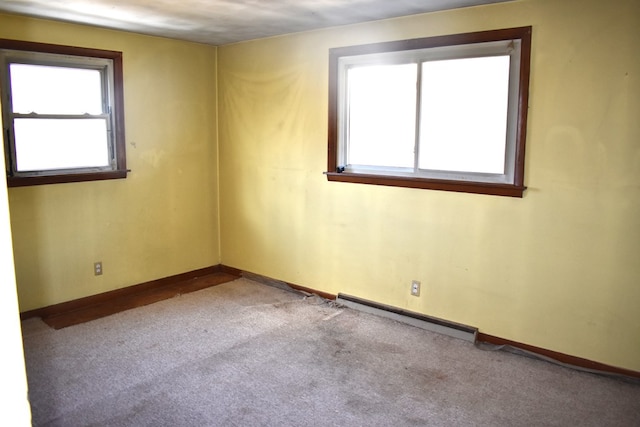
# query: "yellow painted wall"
[557,269]
[162,219]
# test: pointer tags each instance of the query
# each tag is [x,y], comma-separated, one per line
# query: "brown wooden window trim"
[63,176]
[515,189]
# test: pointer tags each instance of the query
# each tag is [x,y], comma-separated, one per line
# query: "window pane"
[382,110]
[55,90]
[46,144]
[464,114]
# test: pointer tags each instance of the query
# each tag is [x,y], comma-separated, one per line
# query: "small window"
[444,113]
[62,113]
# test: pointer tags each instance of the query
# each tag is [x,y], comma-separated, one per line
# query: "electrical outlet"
[97,268]
[415,288]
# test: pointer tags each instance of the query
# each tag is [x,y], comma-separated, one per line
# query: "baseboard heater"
[429,323]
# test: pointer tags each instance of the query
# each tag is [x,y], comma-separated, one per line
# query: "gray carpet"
[247,354]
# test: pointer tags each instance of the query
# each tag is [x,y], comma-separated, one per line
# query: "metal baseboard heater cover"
[433,324]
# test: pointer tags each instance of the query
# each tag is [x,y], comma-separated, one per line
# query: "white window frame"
[512,42]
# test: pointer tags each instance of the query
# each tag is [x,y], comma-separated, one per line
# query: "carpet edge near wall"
[128,291]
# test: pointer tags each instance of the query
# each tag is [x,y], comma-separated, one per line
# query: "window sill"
[23,181]
[429,184]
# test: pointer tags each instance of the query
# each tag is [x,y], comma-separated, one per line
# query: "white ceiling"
[219,22]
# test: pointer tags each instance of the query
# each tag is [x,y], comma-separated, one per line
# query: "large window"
[62,113]
[444,113]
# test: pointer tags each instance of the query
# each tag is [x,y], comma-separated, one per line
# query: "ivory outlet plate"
[415,288]
[97,268]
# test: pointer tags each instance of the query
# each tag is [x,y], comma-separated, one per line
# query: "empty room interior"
[229,171]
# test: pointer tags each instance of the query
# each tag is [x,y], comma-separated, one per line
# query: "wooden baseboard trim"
[566,359]
[282,284]
[322,294]
[229,270]
[82,303]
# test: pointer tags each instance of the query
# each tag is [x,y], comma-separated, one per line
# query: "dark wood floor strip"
[129,301]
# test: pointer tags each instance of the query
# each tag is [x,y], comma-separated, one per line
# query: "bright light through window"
[463,118]
[51,143]
[45,144]
[447,112]
[63,113]
[55,90]
[382,117]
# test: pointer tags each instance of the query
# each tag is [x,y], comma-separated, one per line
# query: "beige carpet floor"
[247,354]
